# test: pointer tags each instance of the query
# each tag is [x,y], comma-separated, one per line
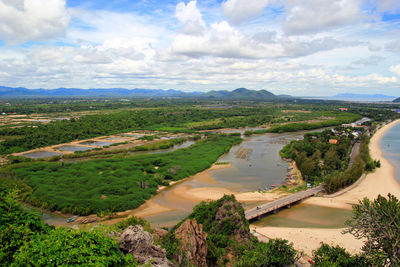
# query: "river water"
[256,164]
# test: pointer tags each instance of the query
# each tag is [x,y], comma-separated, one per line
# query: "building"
[343,109]
[333,141]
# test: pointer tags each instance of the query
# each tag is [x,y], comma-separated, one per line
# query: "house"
[343,109]
[333,141]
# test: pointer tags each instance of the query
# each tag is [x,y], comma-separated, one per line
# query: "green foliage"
[378,221]
[363,162]
[293,127]
[68,247]
[126,181]
[316,157]
[276,252]
[173,119]
[17,226]
[330,256]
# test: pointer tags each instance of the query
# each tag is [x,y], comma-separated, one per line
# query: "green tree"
[66,247]
[330,256]
[16,227]
[379,222]
[277,252]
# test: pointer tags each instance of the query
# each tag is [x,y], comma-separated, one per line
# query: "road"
[354,153]
[279,203]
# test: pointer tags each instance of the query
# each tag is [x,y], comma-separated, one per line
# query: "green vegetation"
[363,162]
[378,222]
[67,247]
[27,241]
[292,127]
[17,226]
[316,157]
[171,118]
[113,184]
[330,256]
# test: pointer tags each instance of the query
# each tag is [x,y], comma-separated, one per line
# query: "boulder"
[140,244]
[193,251]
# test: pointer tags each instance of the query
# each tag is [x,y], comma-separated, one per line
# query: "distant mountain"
[243,93]
[397,100]
[9,92]
[240,93]
[363,97]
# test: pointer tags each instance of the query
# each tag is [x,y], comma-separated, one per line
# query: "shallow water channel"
[306,216]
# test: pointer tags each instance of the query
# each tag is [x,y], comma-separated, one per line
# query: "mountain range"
[240,93]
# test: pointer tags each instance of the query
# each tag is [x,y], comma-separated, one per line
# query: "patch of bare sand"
[309,239]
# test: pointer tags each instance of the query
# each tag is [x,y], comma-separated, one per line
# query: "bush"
[68,247]
[330,256]
[17,226]
[277,252]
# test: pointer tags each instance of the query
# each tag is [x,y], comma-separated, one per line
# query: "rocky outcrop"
[159,233]
[140,244]
[231,213]
[193,251]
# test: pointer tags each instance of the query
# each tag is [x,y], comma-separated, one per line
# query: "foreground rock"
[193,251]
[140,244]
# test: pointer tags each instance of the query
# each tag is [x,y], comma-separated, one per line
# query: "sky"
[296,47]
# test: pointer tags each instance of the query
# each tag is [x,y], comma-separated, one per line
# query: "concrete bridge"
[282,202]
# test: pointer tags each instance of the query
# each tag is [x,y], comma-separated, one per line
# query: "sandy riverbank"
[381,181]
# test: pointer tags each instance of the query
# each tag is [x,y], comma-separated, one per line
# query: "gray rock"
[140,244]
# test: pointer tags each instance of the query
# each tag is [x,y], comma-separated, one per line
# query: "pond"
[96,143]
[40,154]
[74,148]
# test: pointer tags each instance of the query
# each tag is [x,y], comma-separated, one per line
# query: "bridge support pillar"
[289,206]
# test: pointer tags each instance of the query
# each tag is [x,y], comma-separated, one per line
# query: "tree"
[66,247]
[331,256]
[277,252]
[17,226]
[331,159]
[379,222]
[307,168]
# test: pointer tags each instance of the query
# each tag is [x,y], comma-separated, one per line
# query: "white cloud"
[309,16]
[191,17]
[395,69]
[222,40]
[25,20]
[238,11]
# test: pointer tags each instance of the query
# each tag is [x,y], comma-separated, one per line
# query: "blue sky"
[297,47]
